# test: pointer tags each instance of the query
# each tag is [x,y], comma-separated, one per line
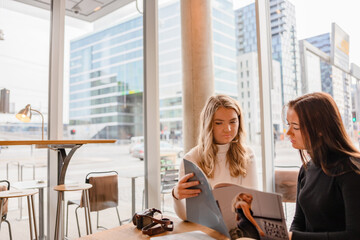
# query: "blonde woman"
[246,223]
[221,152]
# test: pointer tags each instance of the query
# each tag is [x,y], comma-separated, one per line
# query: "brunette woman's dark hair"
[324,134]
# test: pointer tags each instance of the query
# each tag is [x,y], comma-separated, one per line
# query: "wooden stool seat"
[29,193]
[84,187]
[72,187]
[17,193]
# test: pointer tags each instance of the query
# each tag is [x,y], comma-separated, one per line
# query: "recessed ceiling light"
[97,8]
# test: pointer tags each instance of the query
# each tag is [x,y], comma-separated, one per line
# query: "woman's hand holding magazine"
[181,190]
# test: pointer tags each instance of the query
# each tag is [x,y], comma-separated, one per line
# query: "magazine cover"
[235,211]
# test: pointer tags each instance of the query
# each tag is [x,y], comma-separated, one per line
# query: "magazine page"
[203,208]
[250,213]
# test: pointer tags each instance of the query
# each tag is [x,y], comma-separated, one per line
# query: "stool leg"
[34,218]
[1,210]
[77,221]
[87,214]
[85,211]
[58,212]
[63,216]
[88,200]
[67,220]
[88,208]
[30,223]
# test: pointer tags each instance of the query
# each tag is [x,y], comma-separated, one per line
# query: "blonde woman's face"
[225,125]
[247,198]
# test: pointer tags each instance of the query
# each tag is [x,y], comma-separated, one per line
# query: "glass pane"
[24,64]
[170,98]
[170,70]
[307,58]
[103,99]
[248,76]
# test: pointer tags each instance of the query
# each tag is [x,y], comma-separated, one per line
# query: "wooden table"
[130,232]
[59,146]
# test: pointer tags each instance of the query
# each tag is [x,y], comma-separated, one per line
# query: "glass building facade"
[323,43]
[106,73]
[285,47]
[335,80]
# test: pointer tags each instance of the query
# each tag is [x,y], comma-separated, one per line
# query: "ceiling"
[88,10]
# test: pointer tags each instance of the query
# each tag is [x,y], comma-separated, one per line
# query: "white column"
[55,121]
[197,61]
[151,105]
[263,32]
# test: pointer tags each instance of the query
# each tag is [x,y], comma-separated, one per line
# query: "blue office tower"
[335,72]
[285,46]
[323,42]
[106,73]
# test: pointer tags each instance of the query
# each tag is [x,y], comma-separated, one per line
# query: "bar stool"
[84,187]
[29,194]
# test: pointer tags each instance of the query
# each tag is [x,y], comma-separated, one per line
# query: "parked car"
[165,149]
[135,141]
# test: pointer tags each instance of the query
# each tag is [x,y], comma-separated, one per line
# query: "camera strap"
[153,229]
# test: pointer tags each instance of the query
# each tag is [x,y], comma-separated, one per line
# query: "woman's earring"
[234,140]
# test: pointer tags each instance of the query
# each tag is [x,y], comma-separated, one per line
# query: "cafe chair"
[169,178]
[5,205]
[29,194]
[103,195]
[285,184]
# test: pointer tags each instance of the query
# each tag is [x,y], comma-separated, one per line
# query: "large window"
[103,99]
[24,67]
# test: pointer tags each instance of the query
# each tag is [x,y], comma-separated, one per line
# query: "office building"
[4,100]
[335,72]
[284,42]
[106,68]
[248,75]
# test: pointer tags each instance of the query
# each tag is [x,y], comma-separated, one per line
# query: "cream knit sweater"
[221,175]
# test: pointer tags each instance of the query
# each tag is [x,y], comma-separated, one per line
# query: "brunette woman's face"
[294,131]
[225,125]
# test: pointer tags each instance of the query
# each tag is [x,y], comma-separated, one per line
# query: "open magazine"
[235,211]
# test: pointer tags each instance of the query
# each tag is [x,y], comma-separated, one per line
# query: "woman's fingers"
[189,191]
[186,193]
[186,177]
[188,184]
[190,195]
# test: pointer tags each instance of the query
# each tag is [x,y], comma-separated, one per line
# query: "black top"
[248,229]
[327,207]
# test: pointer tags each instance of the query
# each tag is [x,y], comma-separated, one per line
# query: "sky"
[314,17]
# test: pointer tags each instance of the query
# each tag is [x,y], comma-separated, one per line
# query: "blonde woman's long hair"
[236,156]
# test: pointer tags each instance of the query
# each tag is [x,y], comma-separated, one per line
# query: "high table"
[130,232]
[59,146]
[133,176]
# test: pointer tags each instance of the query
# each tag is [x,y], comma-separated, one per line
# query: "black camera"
[143,219]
